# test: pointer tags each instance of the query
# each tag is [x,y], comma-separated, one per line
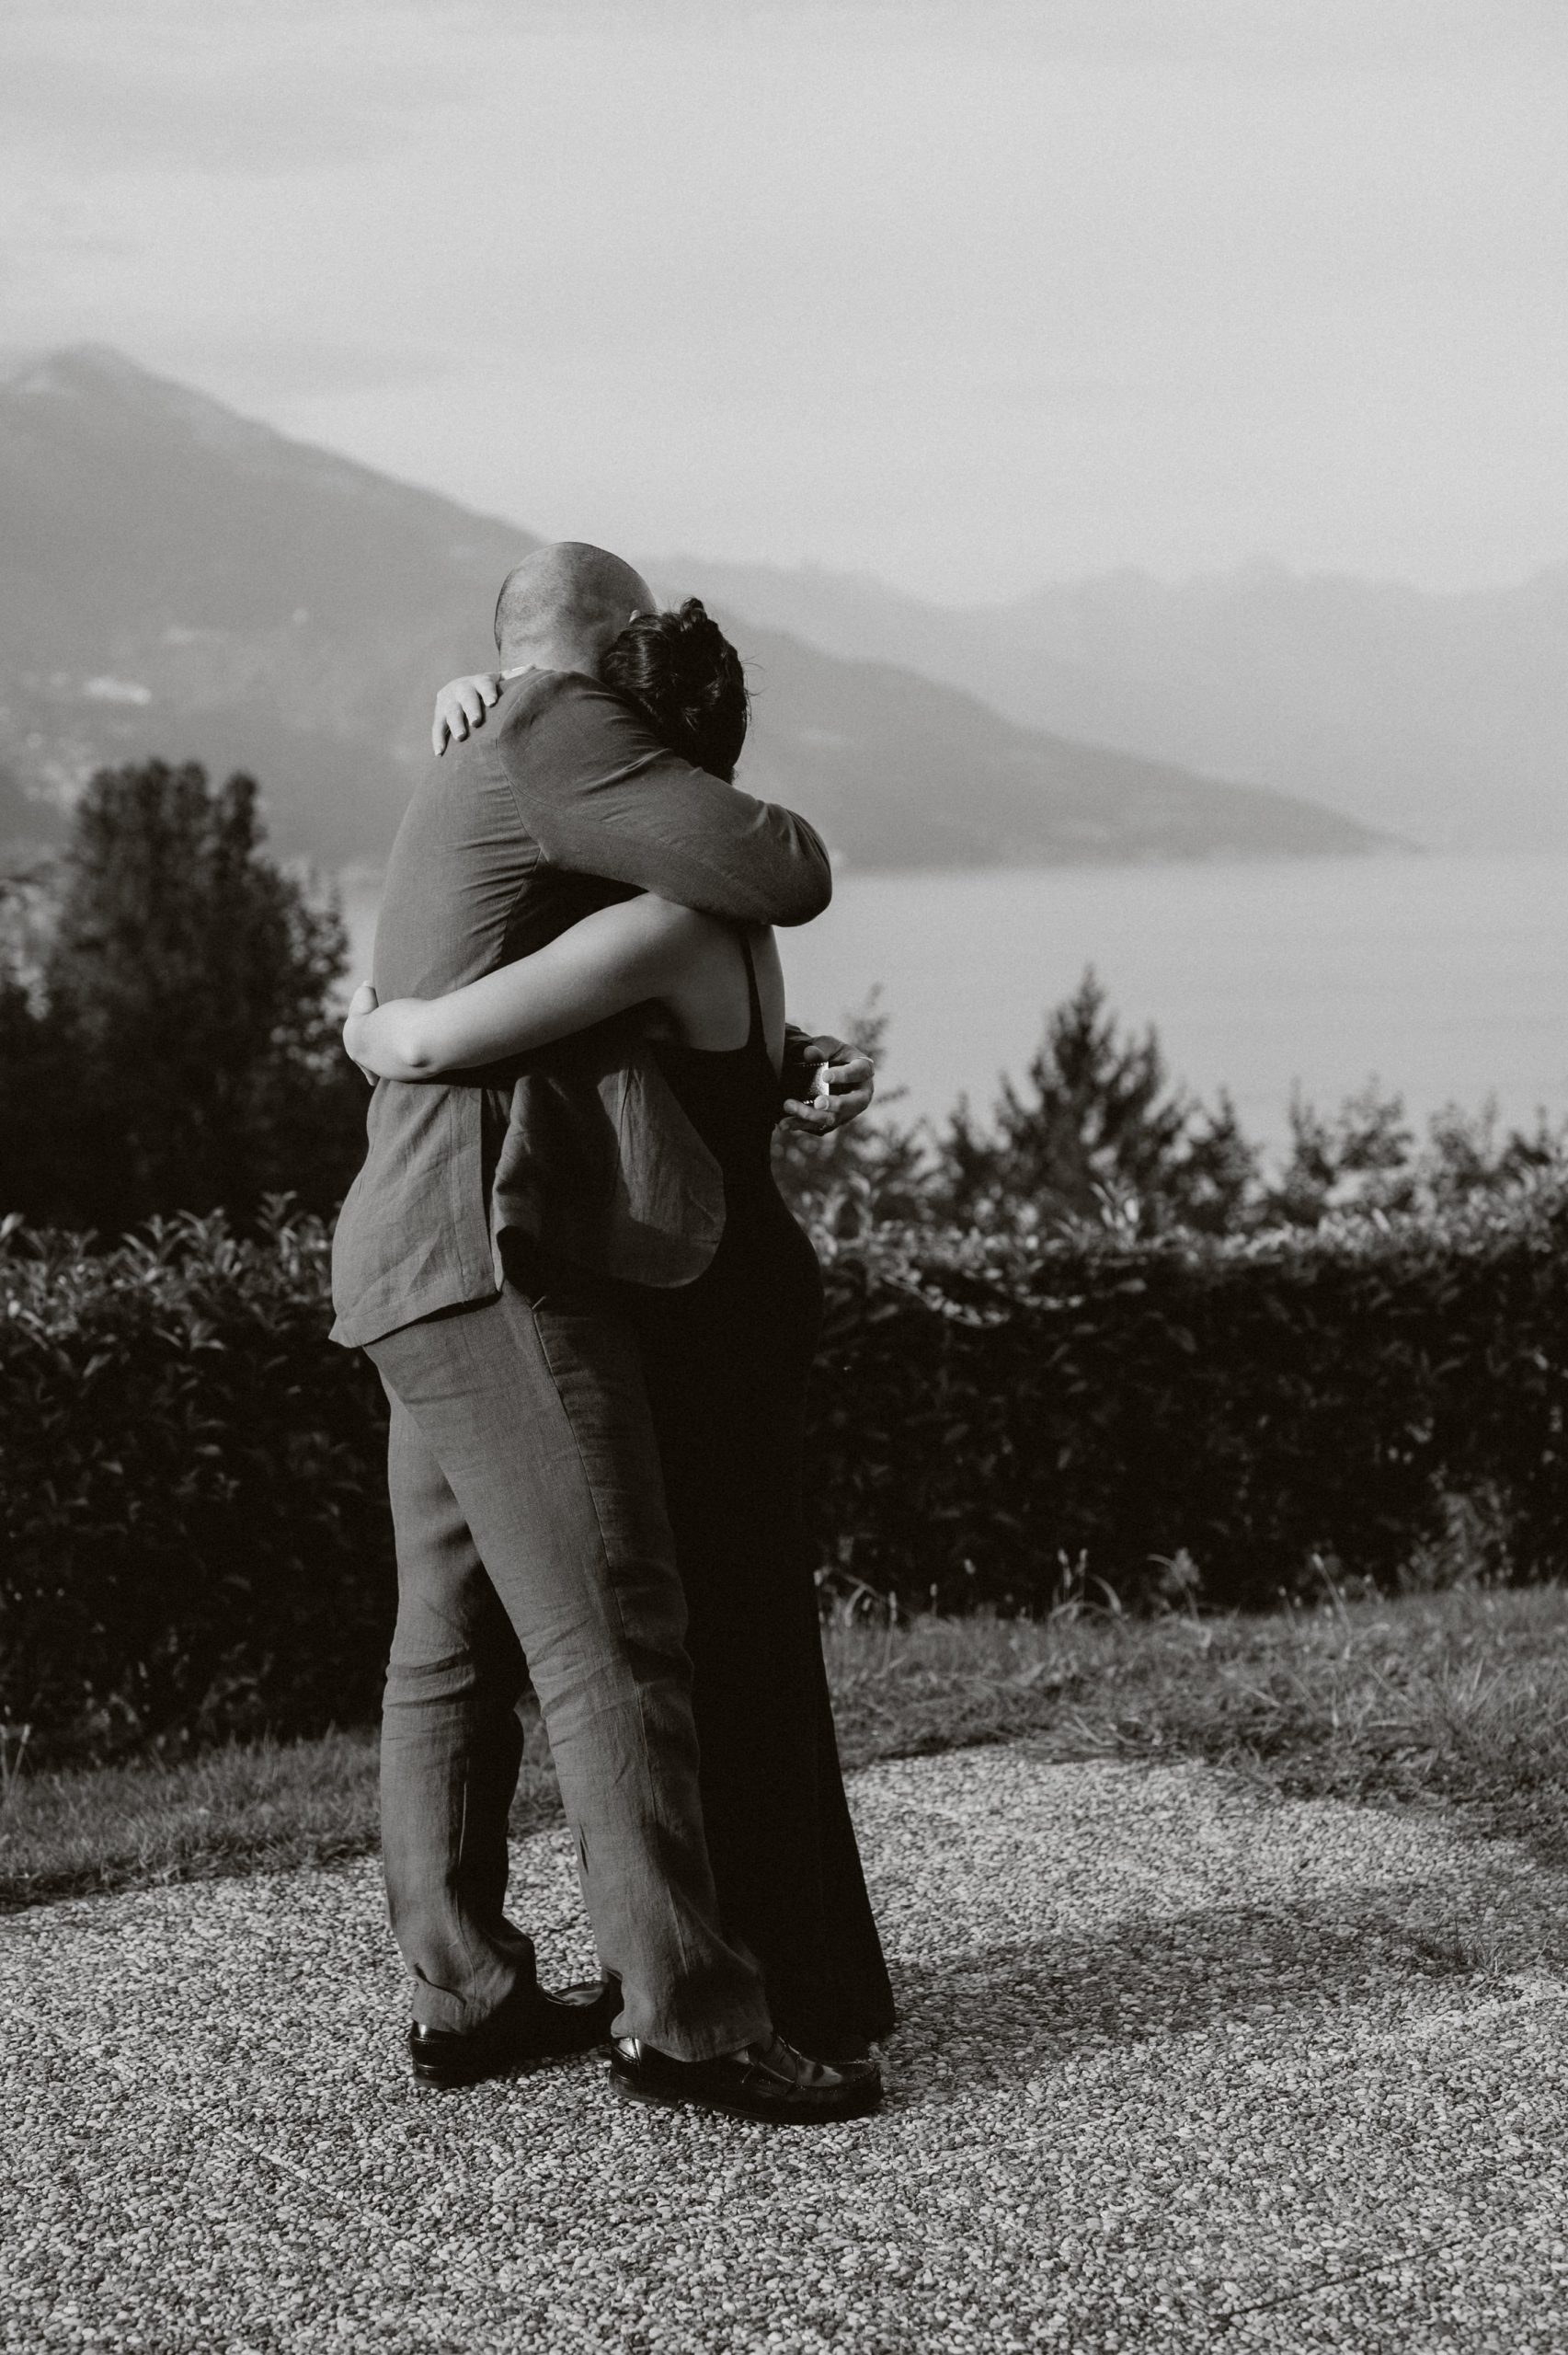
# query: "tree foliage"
[1096,1133]
[1096,1138]
[166,1038]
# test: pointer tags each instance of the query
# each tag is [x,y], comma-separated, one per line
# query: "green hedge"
[1245,1420]
[194,1538]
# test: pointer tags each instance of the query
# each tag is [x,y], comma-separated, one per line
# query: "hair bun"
[687,678]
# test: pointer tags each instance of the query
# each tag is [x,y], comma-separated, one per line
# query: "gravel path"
[1180,2067]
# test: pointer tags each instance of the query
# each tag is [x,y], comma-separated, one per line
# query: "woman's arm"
[617,958]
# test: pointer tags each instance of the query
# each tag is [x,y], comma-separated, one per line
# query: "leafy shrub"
[1247,1418]
[194,1538]
[194,1534]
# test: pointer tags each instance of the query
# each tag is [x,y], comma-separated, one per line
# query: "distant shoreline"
[1443,974]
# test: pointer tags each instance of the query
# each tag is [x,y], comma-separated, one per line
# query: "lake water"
[1446,978]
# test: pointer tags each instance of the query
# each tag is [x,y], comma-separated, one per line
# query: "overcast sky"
[966,296]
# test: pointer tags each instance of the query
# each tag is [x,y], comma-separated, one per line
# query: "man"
[471,1262]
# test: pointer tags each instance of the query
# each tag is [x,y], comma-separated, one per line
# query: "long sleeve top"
[563,803]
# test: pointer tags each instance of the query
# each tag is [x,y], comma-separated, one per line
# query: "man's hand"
[462,705]
[363,1004]
[845,1088]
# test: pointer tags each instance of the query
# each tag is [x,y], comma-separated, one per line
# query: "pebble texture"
[1182,2067]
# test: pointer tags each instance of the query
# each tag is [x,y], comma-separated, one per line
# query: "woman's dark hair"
[683,674]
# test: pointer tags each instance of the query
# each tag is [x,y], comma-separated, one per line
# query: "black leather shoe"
[770,2081]
[530,2025]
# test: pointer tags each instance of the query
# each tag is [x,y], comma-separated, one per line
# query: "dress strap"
[754,995]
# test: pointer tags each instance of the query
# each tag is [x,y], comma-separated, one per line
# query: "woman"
[726,1358]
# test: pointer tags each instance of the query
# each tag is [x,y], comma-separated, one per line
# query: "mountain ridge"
[185,582]
[1440,716]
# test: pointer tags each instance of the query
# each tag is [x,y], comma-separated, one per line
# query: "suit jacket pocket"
[600,1165]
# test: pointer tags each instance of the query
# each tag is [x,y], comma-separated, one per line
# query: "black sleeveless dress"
[727,1361]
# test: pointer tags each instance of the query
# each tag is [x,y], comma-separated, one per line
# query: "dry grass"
[1459,1698]
[249,1807]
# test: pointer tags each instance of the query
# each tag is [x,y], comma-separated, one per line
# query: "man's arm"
[603,796]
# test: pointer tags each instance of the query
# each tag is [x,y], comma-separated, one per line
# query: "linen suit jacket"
[563,803]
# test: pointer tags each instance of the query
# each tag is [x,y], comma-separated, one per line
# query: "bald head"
[564,605]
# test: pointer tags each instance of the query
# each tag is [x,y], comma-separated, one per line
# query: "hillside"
[180,581]
[901,772]
[1443,720]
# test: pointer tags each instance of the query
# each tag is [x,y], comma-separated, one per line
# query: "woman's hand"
[357,1032]
[462,705]
[404,1038]
[384,1041]
[845,1082]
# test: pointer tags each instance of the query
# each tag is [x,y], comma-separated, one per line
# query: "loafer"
[770,2081]
[530,2025]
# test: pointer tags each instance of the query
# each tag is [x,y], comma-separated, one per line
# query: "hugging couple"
[594,1319]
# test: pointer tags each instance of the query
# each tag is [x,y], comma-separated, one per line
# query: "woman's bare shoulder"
[660,935]
[667,920]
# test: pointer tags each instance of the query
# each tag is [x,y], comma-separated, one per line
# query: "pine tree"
[1096,1133]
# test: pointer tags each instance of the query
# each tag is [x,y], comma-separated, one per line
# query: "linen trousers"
[533,1542]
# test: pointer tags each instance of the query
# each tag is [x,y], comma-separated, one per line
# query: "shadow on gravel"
[989,2017]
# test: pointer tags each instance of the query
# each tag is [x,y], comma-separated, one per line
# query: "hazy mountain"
[180,581]
[1441,719]
[901,772]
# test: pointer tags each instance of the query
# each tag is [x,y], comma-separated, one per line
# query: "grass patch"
[1459,1698]
[248,1807]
